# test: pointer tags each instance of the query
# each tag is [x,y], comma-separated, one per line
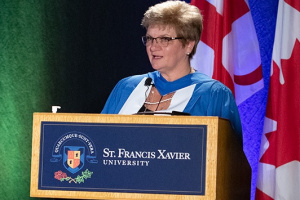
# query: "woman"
[173,32]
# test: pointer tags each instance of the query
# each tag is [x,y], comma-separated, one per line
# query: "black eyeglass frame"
[145,40]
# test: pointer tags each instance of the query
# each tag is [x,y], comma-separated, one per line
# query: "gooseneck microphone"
[148,81]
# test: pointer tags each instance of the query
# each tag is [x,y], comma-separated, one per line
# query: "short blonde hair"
[186,19]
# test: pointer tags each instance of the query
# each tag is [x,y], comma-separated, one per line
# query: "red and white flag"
[229,49]
[229,52]
[279,164]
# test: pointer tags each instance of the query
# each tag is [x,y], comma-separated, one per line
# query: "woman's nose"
[154,45]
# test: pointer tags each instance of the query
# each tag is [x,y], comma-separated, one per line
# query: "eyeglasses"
[162,41]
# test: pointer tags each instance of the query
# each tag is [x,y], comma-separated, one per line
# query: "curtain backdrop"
[25,87]
[67,53]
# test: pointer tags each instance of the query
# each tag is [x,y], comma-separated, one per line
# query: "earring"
[188,53]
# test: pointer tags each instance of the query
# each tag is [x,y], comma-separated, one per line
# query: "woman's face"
[172,58]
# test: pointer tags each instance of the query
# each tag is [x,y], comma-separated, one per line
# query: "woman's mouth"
[156,56]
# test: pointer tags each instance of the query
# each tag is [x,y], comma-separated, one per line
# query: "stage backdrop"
[72,53]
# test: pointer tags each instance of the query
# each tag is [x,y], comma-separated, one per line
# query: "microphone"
[148,81]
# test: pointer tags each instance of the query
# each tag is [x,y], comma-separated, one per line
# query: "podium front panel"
[131,158]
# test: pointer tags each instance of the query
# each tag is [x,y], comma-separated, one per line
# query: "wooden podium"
[226,174]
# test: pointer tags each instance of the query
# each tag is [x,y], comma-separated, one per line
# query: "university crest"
[75,150]
[73,158]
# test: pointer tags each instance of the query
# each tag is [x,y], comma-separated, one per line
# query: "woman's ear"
[190,46]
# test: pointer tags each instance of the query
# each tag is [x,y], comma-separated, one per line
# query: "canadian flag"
[279,164]
[229,52]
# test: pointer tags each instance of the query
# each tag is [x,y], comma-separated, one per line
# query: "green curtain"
[26,86]
[59,52]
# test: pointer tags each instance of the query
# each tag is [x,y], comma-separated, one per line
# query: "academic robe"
[196,94]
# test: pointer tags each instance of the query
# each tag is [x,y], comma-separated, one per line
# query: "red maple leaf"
[284,107]
[294,3]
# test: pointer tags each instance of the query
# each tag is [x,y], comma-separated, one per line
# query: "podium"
[96,156]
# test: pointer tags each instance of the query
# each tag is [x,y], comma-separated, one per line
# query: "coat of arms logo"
[74,156]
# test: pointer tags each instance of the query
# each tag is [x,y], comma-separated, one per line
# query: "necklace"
[153,103]
[156,101]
